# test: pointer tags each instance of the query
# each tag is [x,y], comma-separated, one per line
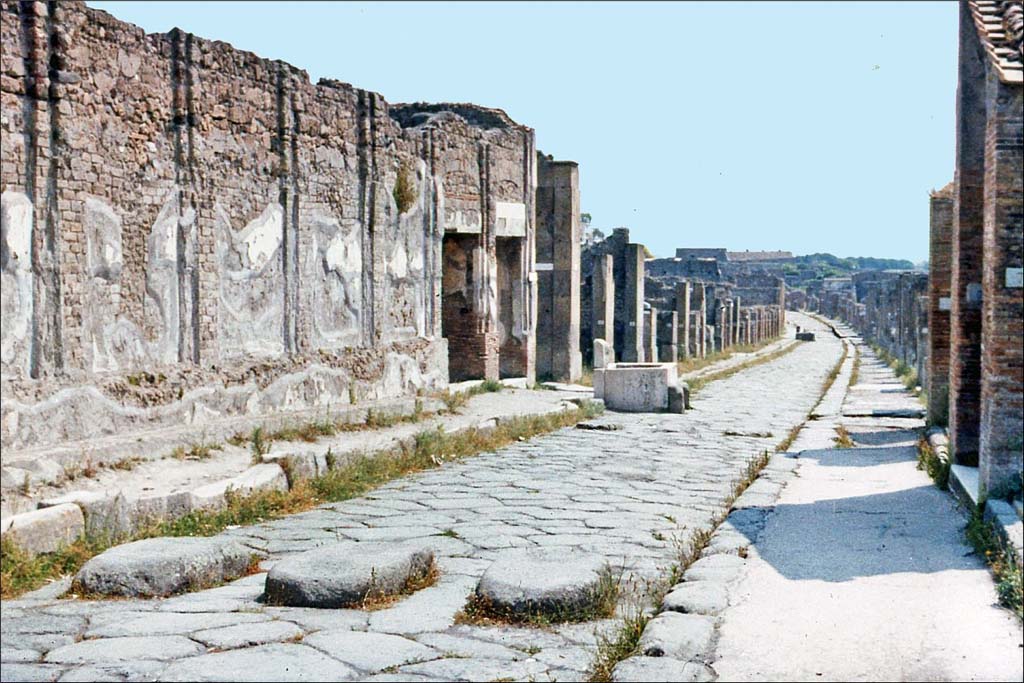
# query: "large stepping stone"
[545,583]
[344,574]
[158,567]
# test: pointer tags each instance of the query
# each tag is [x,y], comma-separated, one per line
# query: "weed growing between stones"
[855,375]
[196,451]
[1001,560]
[929,461]
[259,445]
[376,599]
[842,439]
[903,371]
[599,603]
[456,400]
[355,477]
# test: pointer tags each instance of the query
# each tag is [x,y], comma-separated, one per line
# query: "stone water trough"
[638,387]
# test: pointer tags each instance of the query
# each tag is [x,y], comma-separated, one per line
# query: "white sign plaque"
[1015,278]
[945,303]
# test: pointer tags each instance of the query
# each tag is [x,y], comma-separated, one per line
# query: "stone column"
[699,304]
[651,335]
[968,229]
[1002,353]
[558,270]
[737,332]
[683,317]
[668,336]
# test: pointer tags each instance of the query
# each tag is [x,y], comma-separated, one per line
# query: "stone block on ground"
[697,597]
[719,567]
[265,477]
[45,530]
[679,397]
[370,651]
[604,354]
[163,566]
[673,634]
[537,581]
[344,574]
[659,669]
[105,515]
[274,662]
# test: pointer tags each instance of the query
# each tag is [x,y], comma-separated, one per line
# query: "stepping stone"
[343,574]
[158,567]
[535,581]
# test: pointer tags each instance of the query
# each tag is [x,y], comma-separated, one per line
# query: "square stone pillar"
[698,303]
[736,319]
[633,304]
[558,270]
[683,317]
[668,336]
[603,307]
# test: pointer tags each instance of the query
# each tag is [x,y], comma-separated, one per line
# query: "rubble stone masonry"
[192,232]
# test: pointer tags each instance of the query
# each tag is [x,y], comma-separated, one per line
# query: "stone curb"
[115,515]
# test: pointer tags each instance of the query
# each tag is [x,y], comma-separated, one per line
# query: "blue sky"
[799,126]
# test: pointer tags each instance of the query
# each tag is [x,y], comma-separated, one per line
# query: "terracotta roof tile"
[1000,25]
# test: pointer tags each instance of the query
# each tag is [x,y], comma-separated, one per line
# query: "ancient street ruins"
[302,384]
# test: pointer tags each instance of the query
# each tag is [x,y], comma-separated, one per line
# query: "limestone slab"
[275,662]
[672,634]
[370,651]
[658,669]
[129,649]
[47,529]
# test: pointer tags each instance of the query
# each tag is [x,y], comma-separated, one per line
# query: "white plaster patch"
[341,256]
[16,230]
[510,219]
[103,239]
[1015,278]
[262,236]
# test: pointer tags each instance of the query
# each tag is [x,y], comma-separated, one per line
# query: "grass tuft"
[842,438]
[929,461]
[1001,560]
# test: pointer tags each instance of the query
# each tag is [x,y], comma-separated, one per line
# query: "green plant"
[929,461]
[842,438]
[1001,560]
[404,192]
[259,445]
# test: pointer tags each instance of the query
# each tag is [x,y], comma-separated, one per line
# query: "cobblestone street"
[626,494]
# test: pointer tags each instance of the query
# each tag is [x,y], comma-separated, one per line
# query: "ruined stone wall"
[191,232]
[939,302]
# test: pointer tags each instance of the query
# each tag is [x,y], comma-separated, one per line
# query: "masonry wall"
[192,232]
[939,303]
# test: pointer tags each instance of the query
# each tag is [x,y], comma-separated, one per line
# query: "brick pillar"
[1002,360]
[939,303]
[968,229]
[558,270]
[683,317]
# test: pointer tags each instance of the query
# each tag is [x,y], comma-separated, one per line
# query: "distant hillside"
[856,262]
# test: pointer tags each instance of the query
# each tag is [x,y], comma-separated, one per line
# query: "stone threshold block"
[158,567]
[347,574]
[640,387]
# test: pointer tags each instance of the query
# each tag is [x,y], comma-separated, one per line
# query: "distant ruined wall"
[190,231]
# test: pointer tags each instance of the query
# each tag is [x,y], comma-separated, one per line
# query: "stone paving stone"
[163,566]
[29,673]
[116,650]
[342,574]
[431,609]
[672,634]
[313,619]
[275,662]
[43,642]
[168,623]
[370,651]
[658,669]
[479,669]
[128,671]
[247,635]
[12,654]
[449,645]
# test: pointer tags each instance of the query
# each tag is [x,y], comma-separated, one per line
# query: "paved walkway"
[624,494]
[861,573]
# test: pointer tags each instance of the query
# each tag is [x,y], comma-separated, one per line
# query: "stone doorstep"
[1008,526]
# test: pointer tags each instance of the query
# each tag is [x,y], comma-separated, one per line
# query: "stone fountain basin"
[635,387]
